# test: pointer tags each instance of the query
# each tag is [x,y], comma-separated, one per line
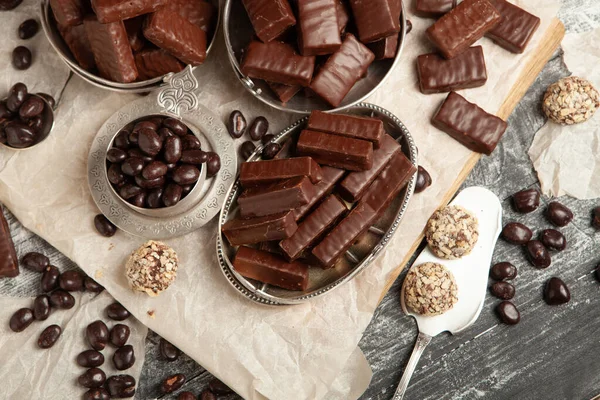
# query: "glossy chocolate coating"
[172,383]
[134,32]
[68,12]
[275,198]
[270,18]
[92,286]
[558,214]
[433,8]
[168,351]
[330,177]
[516,233]
[469,124]
[97,335]
[262,172]
[121,386]
[255,230]
[259,128]
[198,12]
[526,201]
[319,31]
[62,300]
[6,5]
[119,334]
[41,307]
[375,19]
[553,239]
[117,312]
[503,271]
[271,151]
[90,358]
[336,151]
[35,262]
[118,10]
[31,107]
[385,48]
[152,63]
[9,263]
[508,313]
[16,96]
[352,126]
[104,226]
[218,387]
[49,336]
[246,149]
[49,280]
[538,255]
[71,281]
[237,124]
[92,378]
[124,357]
[21,319]
[503,290]
[556,292]
[516,28]
[96,394]
[284,92]
[423,180]
[77,40]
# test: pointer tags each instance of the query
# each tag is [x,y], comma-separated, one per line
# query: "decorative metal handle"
[422,342]
[180,92]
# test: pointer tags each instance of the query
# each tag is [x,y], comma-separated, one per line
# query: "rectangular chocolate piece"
[313,227]
[342,14]
[255,230]
[375,19]
[343,236]
[351,126]
[152,63]
[389,183]
[284,92]
[275,198]
[466,70]
[385,48]
[277,62]
[270,18]
[342,70]
[469,124]
[433,8]
[356,183]
[262,172]
[77,41]
[336,151]
[330,177]
[119,10]
[175,34]
[318,28]
[111,49]
[9,263]
[464,25]
[68,12]
[516,28]
[199,12]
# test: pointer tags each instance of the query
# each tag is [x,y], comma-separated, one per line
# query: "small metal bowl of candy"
[327,57]
[131,49]
[26,119]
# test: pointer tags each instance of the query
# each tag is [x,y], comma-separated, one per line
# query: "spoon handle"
[422,342]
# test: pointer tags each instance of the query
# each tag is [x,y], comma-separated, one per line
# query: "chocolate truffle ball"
[152,268]
[452,232]
[430,289]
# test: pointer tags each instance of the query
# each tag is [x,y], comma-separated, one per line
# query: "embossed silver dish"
[179,99]
[238,32]
[359,257]
[56,41]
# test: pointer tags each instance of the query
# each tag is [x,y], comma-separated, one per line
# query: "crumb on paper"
[99,274]
[151,314]
[111,246]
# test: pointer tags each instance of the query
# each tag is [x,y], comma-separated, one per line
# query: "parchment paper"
[51,374]
[567,158]
[262,352]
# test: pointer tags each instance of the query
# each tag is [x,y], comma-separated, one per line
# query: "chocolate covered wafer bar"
[318,28]
[336,151]
[263,172]
[255,230]
[457,30]
[375,19]
[68,12]
[275,198]
[433,8]
[9,263]
[284,92]
[270,18]
[469,124]
[152,63]
[77,41]
[466,70]
[385,48]
[330,177]
[516,28]
[342,14]
[351,126]
[199,12]
[119,10]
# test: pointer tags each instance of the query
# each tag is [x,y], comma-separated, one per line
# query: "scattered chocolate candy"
[503,271]
[172,383]
[207,395]
[423,180]
[195,157]
[218,387]
[267,138]
[259,128]
[556,292]
[49,99]
[97,335]
[6,5]
[50,279]
[91,285]
[121,386]
[237,124]
[172,194]
[21,58]
[35,261]
[119,334]
[103,225]
[213,165]
[62,300]
[168,351]
[49,336]
[92,378]
[538,255]
[270,151]
[558,214]
[176,126]
[186,396]
[19,135]
[96,394]
[31,107]
[21,319]
[28,29]
[16,97]
[553,239]
[124,357]
[41,307]
[117,312]
[90,358]
[516,233]
[71,281]
[596,218]
[503,290]
[526,201]
[246,149]
[508,313]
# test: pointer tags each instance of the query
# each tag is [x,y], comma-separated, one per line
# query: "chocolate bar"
[269,268]
[433,8]
[135,33]
[199,12]
[270,18]
[9,263]
[351,126]
[457,30]
[255,230]
[175,34]
[318,28]
[336,151]
[152,63]
[284,92]
[119,10]
[275,198]
[342,14]
[356,183]
[277,62]
[343,236]
[375,19]
[466,70]
[469,124]
[262,172]
[313,227]
[385,48]
[77,41]
[330,177]
[516,28]
[342,70]
[112,53]
[68,12]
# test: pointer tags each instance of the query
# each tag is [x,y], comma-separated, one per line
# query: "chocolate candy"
[172,383]
[190,142]
[336,151]
[21,58]
[259,128]
[213,165]
[168,351]
[218,387]
[385,48]
[277,62]
[91,285]
[313,227]
[269,268]
[508,313]
[49,336]
[16,96]
[50,278]
[97,335]
[262,172]
[36,262]
[271,151]
[68,12]
[237,124]
[176,126]
[284,92]
[119,334]
[172,149]
[255,230]
[121,386]
[116,155]
[553,239]
[433,8]
[154,170]
[246,149]
[117,312]
[92,378]
[90,358]
[176,35]
[375,19]
[464,25]
[172,195]
[516,233]
[152,63]
[526,201]
[124,357]
[104,226]
[41,307]
[469,124]
[503,290]
[516,28]
[556,292]
[62,300]
[270,18]
[186,396]
[503,271]
[21,319]
[6,5]
[330,177]
[78,42]
[351,126]
[71,281]
[356,183]
[28,29]
[423,180]
[9,264]
[342,14]
[112,52]
[19,135]
[149,141]
[118,10]
[96,394]
[596,218]
[134,33]
[342,70]
[538,255]
[559,214]
[49,99]
[318,29]
[467,70]
[275,198]
[198,12]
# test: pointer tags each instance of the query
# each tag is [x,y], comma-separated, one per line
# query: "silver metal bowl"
[46,128]
[57,42]
[238,33]
[359,257]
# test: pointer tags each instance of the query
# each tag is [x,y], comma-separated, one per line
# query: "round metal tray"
[238,33]
[179,99]
[359,257]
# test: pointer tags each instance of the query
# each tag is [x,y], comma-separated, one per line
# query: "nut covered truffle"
[152,268]
[571,100]
[452,232]
[430,289]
